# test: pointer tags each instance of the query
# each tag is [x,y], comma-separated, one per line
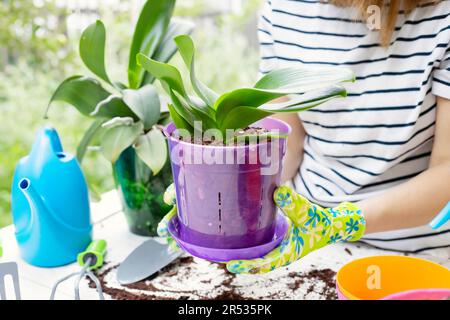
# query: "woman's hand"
[310,228]
[170,199]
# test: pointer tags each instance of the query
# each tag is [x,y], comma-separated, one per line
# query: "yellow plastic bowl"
[378,277]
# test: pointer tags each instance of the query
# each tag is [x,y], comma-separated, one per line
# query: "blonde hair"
[389,12]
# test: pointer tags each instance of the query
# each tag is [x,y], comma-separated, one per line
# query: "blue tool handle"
[441,218]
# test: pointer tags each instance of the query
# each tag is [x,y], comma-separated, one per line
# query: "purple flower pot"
[224,194]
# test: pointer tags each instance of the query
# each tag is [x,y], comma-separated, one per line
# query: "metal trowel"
[147,259]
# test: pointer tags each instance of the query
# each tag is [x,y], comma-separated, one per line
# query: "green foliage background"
[36,53]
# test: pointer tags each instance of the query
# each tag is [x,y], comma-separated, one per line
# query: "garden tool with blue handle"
[8,269]
[441,218]
[90,259]
[311,227]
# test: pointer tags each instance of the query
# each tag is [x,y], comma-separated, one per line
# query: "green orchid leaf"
[282,82]
[152,149]
[164,72]
[187,50]
[149,31]
[92,131]
[183,109]
[144,102]
[167,47]
[178,120]
[197,111]
[201,106]
[118,121]
[302,79]
[81,92]
[118,138]
[111,107]
[206,121]
[249,97]
[119,85]
[92,49]
[307,100]
[164,119]
[241,117]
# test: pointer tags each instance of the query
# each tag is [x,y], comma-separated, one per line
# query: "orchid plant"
[239,108]
[125,115]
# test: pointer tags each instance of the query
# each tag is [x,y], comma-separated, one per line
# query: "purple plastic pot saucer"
[224,255]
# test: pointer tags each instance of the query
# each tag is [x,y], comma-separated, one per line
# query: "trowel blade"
[147,259]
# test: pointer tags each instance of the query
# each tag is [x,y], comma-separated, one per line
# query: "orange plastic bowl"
[387,277]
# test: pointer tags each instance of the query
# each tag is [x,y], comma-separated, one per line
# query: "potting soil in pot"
[207,141]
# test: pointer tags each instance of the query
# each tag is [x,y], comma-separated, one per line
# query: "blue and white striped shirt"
[381,135]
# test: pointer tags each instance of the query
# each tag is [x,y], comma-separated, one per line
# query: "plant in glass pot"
[226,153]
[125,116]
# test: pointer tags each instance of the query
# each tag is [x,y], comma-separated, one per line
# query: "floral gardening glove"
[169,198]
[311,227]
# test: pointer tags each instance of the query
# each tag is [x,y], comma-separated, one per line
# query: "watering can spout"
[33,197]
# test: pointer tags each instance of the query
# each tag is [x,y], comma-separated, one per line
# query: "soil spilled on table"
[188,279]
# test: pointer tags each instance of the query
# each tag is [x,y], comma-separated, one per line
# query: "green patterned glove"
[310,228]
[169,198]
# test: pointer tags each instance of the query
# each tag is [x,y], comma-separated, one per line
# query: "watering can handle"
[441,218]
[47,143]
[96,252]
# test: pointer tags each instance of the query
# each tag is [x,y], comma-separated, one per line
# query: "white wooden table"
[110,224]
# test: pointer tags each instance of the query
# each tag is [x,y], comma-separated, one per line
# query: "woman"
[387,145]
[376,164]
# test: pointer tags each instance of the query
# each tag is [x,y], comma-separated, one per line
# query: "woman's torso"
[381,135]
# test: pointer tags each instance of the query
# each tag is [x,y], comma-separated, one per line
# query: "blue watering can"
[50,204]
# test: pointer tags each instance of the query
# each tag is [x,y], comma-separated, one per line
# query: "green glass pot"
[141,192]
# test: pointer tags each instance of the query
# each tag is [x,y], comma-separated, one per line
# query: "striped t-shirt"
[381,135]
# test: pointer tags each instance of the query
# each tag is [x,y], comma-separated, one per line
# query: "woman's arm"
[294,153]
[417,201]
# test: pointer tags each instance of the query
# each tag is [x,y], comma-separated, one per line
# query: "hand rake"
[89,260]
